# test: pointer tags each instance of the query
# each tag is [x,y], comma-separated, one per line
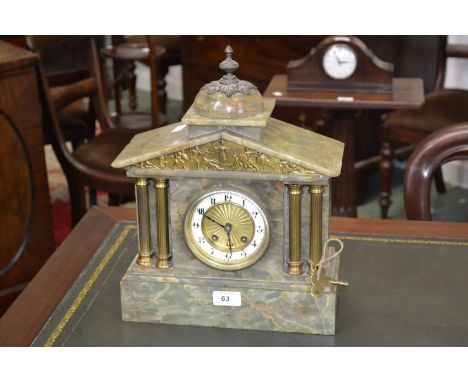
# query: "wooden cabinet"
[26,233]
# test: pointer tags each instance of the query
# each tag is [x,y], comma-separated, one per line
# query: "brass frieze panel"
[223,155]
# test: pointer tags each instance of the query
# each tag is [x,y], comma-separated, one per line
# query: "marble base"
[157,295]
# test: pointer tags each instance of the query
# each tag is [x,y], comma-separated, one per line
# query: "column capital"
[314,189]
[161,183]
[141,181]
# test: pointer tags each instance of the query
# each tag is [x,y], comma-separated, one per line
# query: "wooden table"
[23,321]
[127,54]
[407,93]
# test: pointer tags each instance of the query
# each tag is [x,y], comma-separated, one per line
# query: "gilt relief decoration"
[223,155]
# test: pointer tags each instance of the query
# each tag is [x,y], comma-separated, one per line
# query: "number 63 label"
[225,298]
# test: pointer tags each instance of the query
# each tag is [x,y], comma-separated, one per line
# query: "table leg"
[344,186]
[163,69]
[117,93]
[131,77]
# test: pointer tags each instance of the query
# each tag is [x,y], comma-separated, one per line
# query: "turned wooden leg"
[162,95]
[92,197]
[439,181]
[131,77]
[344,186]
[386,172]
[154,92]
[117,92]
[77,200]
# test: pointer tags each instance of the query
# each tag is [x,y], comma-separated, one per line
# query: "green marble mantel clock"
[233,210]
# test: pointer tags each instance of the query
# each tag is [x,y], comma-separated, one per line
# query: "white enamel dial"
[339,61]
[227,229]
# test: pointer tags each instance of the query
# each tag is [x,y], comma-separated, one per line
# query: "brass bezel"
[225,265]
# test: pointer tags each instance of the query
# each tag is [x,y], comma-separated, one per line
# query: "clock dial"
[339,61]
[226,229]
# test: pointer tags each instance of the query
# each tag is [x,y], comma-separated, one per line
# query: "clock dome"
[229,97]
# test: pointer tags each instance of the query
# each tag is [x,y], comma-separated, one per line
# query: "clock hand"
[229,242]
[337,58]
[214,221]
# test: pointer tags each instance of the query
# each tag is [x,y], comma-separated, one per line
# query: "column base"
[163,262]
[295,268]
[145,260]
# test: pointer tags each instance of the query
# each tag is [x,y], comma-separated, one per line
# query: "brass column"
[295,259]
[144,237]
[163,257]
[316,197]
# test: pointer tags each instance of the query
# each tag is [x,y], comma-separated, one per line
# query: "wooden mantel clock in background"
[343,78]
[340,64]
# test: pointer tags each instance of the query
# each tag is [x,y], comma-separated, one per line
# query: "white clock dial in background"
[339,61]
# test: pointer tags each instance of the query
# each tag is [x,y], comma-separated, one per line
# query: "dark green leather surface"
[403,292]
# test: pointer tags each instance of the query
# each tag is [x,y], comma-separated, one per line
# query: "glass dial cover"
[339,61]
[227,229]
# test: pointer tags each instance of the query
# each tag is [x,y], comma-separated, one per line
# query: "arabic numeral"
[243,202]
[213,200]
[227,197]
[255,214]
[254,243]
[201,240]
[225,298]
[260,229]
[195,225]
[201,211]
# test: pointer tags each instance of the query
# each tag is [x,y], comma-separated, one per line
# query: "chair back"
[65,59]
[69,92]
[443,146]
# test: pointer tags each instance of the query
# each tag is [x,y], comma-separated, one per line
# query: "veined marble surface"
[193,118]
[279,139]
[137,172]
[273,195]
[183,192]
[272,299]
[262,308]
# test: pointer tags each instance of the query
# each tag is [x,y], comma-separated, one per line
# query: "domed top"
[229,97]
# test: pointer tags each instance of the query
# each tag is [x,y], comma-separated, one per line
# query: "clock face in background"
[339,61]
[227,229]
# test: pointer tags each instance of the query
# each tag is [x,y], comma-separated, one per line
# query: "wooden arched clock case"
[340,64]
[233,209]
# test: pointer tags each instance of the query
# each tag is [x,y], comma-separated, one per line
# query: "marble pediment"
[278,148]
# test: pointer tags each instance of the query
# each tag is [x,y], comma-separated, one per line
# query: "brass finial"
[229,84]
[229,66]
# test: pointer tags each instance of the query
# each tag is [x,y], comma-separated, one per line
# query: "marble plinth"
[159,296]
[271,298]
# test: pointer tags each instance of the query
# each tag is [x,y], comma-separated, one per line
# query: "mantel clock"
[340,64]
[233,209]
